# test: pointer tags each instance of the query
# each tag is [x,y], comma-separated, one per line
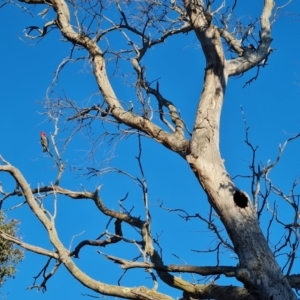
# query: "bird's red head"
[43,133]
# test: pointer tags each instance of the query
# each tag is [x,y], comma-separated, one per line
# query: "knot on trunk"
[244,275]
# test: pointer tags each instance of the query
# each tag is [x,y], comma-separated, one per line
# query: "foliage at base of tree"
[10,256]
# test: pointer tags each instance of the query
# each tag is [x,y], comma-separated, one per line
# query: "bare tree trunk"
[257,269]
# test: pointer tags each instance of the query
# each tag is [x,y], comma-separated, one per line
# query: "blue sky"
[271,105]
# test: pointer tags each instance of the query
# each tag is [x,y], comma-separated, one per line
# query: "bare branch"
[64,255]
[46,277]
[204,270]
[252,57]
[112,240]
[42,32]
[29,247]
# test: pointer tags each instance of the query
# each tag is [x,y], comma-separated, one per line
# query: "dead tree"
[142,25]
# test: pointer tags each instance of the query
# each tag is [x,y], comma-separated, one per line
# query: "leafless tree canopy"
[116,37]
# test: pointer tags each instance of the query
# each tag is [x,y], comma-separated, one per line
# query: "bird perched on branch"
[44,141]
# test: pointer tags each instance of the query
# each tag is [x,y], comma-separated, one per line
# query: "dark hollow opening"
[240,199]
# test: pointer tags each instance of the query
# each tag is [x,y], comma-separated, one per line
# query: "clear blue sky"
[271,105]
